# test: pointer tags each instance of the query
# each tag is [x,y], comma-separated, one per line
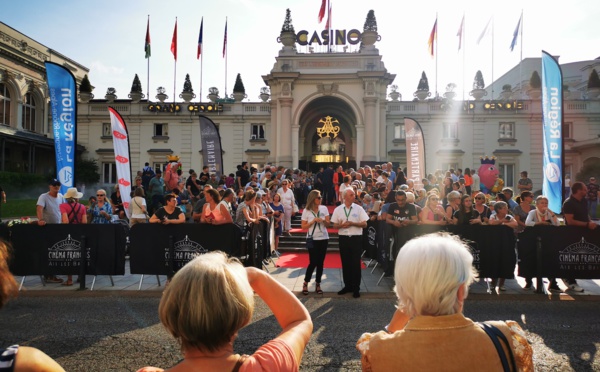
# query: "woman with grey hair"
[428,331]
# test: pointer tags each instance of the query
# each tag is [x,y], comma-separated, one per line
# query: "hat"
[54,182]
[73,193]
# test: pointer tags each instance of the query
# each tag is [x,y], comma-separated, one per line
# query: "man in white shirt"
[350,219]
[476,185]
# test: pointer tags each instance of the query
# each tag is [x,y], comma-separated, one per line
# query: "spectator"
[242,176]
[501,217]
[316,216]
[466,214]
[193,187]
[524,183]
[139,211]
[576,213]
[116,203]
[73,213]
[212,285]
[211,213]
[453,205]
[169,214]
[204,174]
[541,215]
[432,276]
[101,211]
[288,201]
[48,211]
[508,192]
[593,192]
[468,181]
[433,212]
[481,208]
[156,191]
[197,212]
[476,185]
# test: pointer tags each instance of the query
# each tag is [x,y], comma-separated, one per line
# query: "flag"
[485,31]
[552,120]
[225,40]
[63,103]
[415,151]
[328,24]
[211,145]
[200,39]
[516,34]
[174,41]
[460,32]
[432,38]
[322,10]
[122,156]
[147,44]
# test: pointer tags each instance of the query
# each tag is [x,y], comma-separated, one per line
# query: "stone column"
[285,133]
[295,145]
[274,133]
[360,144]
[370,131]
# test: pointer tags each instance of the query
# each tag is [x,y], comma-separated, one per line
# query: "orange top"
[468,180]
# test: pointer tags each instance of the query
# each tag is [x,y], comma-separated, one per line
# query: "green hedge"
[11,181]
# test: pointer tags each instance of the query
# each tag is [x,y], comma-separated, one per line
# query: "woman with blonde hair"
[211,298]
[428,331]
[433,212]
[139,211]
[315,219]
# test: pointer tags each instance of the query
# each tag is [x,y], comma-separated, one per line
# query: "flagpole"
[148,68]
[436,56]
[175,70]
[463,36]
[521,58]
[200,44]
[492,85]
[226,55]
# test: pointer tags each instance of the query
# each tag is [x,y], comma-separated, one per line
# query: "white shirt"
[476,185]
[320,231]
[287,197]
[353,214]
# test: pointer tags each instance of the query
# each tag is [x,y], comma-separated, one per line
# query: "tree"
[478,82]
[136,86]
[287,24]
[594,80]
[85,86]
[535,82]
[423,83]
[88,171]
[238,87]
[370,22]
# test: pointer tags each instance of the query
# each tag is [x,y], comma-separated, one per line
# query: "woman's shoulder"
[522,350]
[323,208]
[275,355]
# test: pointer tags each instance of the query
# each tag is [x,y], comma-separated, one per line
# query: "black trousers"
[350,250]
[317,257]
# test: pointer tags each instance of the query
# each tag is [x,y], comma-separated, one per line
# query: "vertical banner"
[63,106]
[211,146]
[122,159]
[552,119]
[415,152]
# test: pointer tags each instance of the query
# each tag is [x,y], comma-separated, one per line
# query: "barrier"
[564,252]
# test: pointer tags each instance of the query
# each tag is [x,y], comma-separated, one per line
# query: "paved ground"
[373,285]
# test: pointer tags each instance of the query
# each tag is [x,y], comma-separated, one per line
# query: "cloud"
[102,69]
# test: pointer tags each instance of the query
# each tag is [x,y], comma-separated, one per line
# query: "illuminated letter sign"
[340,37]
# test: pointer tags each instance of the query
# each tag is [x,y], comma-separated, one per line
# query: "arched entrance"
[327,134]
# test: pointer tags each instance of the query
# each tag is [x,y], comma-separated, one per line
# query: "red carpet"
[332,260]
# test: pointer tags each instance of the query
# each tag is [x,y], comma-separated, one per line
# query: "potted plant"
[535,85]
[394,94]
[369,35]
[85,90]
[264,94]
[111,95]
[287,37]
[593,86]
[213,94]
[506,92]
[161,94]
[188,93]
[450,93]
[239,92]
[478,91]
[136,90]
[423,88]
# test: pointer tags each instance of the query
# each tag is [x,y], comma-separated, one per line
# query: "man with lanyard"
[350,219]
[575,209]
[401,214]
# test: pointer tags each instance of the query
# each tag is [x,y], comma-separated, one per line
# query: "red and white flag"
[174,41]
[122,159]
[322,10]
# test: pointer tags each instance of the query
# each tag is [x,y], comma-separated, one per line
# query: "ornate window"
[506,130]
[507,173]
[109,173]
[258,132]
[450,131]
[4,105]
[29,116]
[399,132]
[161,130]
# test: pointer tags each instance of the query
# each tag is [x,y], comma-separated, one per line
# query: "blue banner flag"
[63,106]
[552,120]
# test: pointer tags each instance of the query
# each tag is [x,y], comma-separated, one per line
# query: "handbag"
[310,242]
[496,336]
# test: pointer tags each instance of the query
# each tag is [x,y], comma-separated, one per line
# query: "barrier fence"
[543,251]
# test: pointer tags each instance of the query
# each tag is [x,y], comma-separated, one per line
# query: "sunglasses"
[479,198]
[318,197]
[100,195]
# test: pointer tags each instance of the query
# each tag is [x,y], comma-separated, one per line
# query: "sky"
[108,37]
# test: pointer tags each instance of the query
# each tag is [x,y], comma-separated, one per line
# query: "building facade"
[329,107]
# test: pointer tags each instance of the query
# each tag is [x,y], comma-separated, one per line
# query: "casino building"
[328,106]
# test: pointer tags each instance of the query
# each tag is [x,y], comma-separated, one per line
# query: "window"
[157,166]
[106,130]
[450,131]
[258,132]
[568,130]
[29,113]
[507,130]
[161,130]
[448,166]
[399,133]
[4,105]
[109,173]
[507,173]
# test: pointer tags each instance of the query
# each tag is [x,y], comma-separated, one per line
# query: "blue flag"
[516,34]
[552,120]
[63,106]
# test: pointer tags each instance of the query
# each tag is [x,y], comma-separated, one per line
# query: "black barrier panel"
[567,252]
[56,249]
[4,232]
[370,239]
[149,248]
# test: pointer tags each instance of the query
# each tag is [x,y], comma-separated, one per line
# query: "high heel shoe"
[305,288]
[318,289]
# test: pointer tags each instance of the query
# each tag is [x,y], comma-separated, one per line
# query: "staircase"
[297,242]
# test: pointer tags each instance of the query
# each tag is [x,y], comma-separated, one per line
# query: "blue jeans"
[592,208]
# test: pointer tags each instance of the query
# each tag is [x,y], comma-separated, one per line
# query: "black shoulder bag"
[496,336]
